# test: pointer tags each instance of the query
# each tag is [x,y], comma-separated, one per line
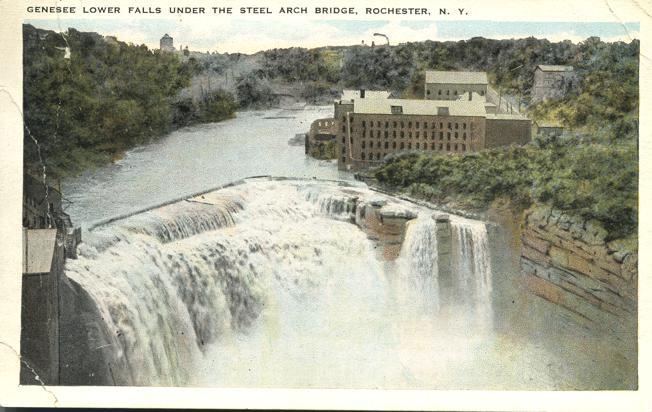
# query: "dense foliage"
[106,96]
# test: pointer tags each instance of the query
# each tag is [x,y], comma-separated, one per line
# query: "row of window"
[424,146]
[448,92]
[439,147]
[417,125]
[416,134]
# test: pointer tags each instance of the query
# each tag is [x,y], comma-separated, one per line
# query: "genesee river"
[198,158]
[269,284]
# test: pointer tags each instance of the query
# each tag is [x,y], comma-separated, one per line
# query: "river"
[197,158]
[275,284]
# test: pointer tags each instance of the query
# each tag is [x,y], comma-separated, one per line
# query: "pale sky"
[249,36]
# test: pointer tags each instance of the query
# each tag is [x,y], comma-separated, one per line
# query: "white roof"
[552,68]
[349,94]
[473,107]
[456,77]
[506,116]
[38,249]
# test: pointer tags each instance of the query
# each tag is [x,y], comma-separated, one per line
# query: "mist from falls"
[271,284]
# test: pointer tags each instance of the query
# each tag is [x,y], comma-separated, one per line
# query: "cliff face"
[568,262]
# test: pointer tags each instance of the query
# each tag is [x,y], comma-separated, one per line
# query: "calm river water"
[199,158]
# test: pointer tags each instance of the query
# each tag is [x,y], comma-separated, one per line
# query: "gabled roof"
[456,77]
[552,68]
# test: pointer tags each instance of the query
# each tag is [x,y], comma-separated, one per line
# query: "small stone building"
[546,128]
[450,85]
[167,43]
[552,82]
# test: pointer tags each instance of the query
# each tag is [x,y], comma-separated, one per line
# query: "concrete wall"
[501,132]
[39,339]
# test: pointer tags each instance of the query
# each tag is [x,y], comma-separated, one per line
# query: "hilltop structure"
[167,43]
[371,128]
[552,82]
[449,85]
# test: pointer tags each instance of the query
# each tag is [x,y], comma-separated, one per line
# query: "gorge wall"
[568,262]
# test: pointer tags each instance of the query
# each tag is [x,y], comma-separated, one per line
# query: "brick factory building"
[368,129]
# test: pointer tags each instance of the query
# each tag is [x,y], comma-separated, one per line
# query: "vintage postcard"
[347,205]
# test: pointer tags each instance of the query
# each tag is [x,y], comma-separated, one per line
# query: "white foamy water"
[271,284]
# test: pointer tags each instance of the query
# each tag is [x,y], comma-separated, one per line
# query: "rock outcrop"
[568,262]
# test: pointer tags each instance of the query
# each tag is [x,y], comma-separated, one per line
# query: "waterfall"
[419,262]
[278,267]
[472,266]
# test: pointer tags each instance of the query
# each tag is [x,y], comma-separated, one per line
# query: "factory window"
[386,134]
[449,126]
[393,145]
[351,119]
[343,118]
[377,133]
[441,125]
[463,147]
[432,126]
[464,126]
[456,136]
[455,146]
[455,92]
[432,135]
[448,135]
[386,125]
[394,123]
[371,144]
[343,149]
[364,132]
[343,159]
[417,145]
[378,123]
[377,156]
[448,92]
[457,125]
[343,139]
[402,125]
[363,124]
[393,133]
[402,134]
[363,144]
[441,146]
[402,145]
[439,92]
[464,135]
[428,92]
[416,125]
[432,146]
[481,92]
[343,128]
[448,146]
[417,135]
[363,155]
[386,145]
[441,135]
[397,109]
[410,135]
[409,124]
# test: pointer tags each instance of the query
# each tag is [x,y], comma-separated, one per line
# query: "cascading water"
[271,279]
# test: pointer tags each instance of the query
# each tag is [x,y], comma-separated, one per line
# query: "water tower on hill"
[167,43]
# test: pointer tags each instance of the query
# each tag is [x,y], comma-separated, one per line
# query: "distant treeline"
[509,63]
[87,98]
